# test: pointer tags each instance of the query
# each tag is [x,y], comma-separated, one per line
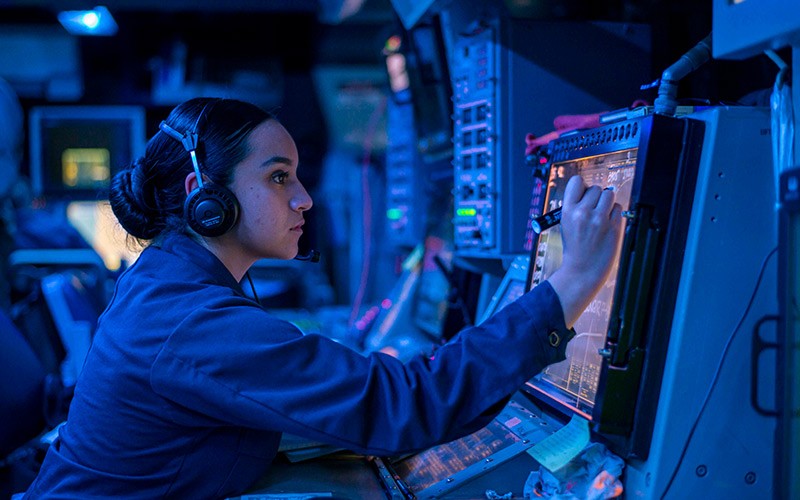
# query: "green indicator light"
[466,212]
[394,214]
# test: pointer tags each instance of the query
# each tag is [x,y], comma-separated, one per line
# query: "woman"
[189,383]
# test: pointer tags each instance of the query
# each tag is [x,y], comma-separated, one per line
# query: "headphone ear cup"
[211,210]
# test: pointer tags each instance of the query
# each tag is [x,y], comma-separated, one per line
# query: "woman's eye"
[280,177]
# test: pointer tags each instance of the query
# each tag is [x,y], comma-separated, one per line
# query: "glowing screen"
[85,167]
[573,382]
[95,221]
[76,150]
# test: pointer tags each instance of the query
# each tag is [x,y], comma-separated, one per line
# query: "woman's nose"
[301,201]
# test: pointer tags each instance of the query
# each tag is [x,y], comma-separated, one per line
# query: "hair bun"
[132,204]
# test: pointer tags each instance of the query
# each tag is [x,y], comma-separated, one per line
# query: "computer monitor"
[412,12]
[95,221]
[614,365]
[430,298]
[418,75]
[76,150]
[573,382]
[512,286]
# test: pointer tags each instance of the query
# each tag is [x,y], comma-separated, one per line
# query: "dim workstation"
[411,332]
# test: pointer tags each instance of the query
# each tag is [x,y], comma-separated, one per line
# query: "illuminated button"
[466,212]
[554,338]
[394,214]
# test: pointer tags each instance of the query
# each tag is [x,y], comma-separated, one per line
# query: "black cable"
[252,287]
[715,379]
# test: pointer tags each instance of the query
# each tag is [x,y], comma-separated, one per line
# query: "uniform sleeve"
[245,367]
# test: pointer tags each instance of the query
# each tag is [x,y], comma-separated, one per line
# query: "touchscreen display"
[573,382]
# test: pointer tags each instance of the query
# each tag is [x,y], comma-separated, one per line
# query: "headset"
[211,209]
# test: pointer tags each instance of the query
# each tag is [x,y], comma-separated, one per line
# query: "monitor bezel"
[39,116]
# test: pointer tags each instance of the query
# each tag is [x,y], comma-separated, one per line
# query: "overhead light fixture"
[95,22]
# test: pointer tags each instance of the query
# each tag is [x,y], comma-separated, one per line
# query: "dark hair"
[147,198]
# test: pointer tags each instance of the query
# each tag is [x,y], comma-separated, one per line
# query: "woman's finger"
[590,197]
[574,191]
[606,201]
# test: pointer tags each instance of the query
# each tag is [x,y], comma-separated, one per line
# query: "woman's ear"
[190,183]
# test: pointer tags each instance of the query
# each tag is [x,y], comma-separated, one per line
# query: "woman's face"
[271,197]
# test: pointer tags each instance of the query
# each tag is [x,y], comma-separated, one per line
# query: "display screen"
[75,150]
[429,82]
[95,221]
[87,168]
[573,382]
[430,300]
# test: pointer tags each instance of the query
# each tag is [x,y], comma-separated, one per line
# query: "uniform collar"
[188,249]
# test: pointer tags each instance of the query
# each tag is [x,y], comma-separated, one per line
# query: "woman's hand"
[591,230]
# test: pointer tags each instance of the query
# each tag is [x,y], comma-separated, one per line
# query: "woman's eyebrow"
[277,159]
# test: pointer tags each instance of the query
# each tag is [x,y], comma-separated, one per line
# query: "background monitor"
[75,150]
[430,299]
[430,91]
[410,12]
[510,288]
[95,221]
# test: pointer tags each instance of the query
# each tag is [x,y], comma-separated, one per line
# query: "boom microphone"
[311,256]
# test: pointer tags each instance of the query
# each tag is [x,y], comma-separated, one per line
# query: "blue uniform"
[189,385]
